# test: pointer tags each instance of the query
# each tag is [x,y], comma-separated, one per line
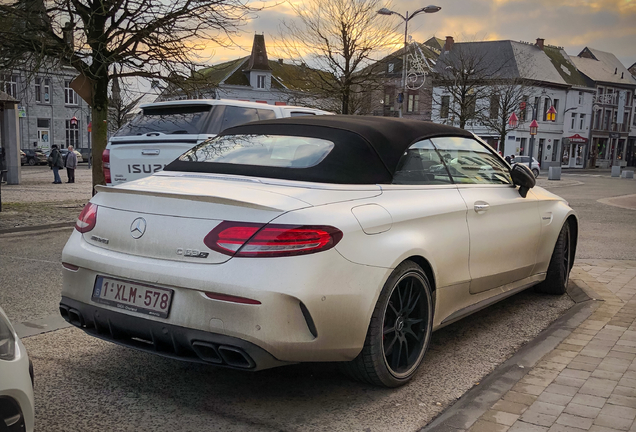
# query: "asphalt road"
[84,384]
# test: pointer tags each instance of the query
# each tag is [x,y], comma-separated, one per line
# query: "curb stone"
[477,401]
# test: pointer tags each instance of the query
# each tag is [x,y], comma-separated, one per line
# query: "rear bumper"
[312,308]
[166,340]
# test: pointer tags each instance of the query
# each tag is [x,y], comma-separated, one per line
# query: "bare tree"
[121,105]
[339,37]
[145,38]
[466,75]
[504,97]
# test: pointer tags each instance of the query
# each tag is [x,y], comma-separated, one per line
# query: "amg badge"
[192,253]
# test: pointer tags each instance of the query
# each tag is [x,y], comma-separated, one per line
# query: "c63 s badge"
[192,253]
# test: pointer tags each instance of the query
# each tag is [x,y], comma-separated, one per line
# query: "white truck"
[163,131]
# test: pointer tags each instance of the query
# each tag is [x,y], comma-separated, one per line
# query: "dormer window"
[390,67]
[260,81]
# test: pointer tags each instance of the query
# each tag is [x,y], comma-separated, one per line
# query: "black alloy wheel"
[558,274]
[399,332]
[405,325]
[535,172]
[31,161]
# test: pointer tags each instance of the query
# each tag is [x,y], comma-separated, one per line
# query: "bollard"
[554,173]
[627,174]
[616,171]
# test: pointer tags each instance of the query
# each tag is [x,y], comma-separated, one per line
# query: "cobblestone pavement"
[588,383]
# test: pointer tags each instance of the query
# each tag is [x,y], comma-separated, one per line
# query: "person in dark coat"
[56,162]
[508,159]
[71,163]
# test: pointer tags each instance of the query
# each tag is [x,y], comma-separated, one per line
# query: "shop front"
[573,151]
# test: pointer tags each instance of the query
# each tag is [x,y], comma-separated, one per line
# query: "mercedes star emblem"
[138,228]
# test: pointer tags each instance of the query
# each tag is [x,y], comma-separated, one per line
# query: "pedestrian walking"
[71,163]
[56,162]
[509,160]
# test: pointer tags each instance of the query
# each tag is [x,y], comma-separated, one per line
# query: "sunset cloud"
[608,25]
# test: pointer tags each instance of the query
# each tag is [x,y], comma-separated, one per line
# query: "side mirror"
[522,177]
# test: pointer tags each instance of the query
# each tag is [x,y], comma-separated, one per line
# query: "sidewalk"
[587,382]
[38,202]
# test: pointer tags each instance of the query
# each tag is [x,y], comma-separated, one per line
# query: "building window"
[573,121]
[556,108]
[606,122]
[523,109]
[443,113]
[582,121]
[72,133]
[580,98]
[42,90]
[413,104]
[555,147]
[70,97]
[471,105]
[260,81]
[9,85]
[522,146]
[494,106]
[391,66]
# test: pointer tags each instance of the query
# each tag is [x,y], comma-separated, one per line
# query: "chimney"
[449,43]
[540,43]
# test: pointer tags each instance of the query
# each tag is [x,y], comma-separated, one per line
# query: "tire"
[403,317]
[31,162]
[535,172]
[558,275]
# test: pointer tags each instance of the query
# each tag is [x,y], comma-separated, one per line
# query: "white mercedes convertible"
[314,239]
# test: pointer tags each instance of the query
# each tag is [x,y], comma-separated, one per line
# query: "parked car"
[313,239]
[86,154]
[23,158]
[64,152]
[525,159]
[164,130]
[16,385]
[35,157]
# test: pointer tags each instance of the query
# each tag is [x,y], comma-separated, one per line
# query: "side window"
[421,165]
[238,115]
[266,114]
[470,162]
[300,113]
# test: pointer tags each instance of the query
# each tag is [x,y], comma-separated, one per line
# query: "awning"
[576,138]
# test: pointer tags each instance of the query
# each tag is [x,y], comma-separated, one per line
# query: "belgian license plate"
[132,296]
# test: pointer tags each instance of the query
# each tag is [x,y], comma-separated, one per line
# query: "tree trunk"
[99,134]
[345,101]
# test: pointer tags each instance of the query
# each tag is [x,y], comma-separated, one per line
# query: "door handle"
[150,152]
[481,206]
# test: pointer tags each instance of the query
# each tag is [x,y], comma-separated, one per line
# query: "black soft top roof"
[367,149]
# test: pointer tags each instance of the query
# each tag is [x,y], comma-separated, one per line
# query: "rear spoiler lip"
[185,196]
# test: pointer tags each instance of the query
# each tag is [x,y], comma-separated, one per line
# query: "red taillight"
[70,267]
[87,218]
[230,298]
[243,239]
[106,165]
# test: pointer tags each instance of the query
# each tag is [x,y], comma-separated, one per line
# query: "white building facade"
[549,79]
[50,112]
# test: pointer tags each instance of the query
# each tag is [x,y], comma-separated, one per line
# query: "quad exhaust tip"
[223,354]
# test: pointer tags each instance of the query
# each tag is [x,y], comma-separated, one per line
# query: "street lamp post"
[407,18]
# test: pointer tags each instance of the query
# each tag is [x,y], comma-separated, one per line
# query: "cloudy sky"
[608,25]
